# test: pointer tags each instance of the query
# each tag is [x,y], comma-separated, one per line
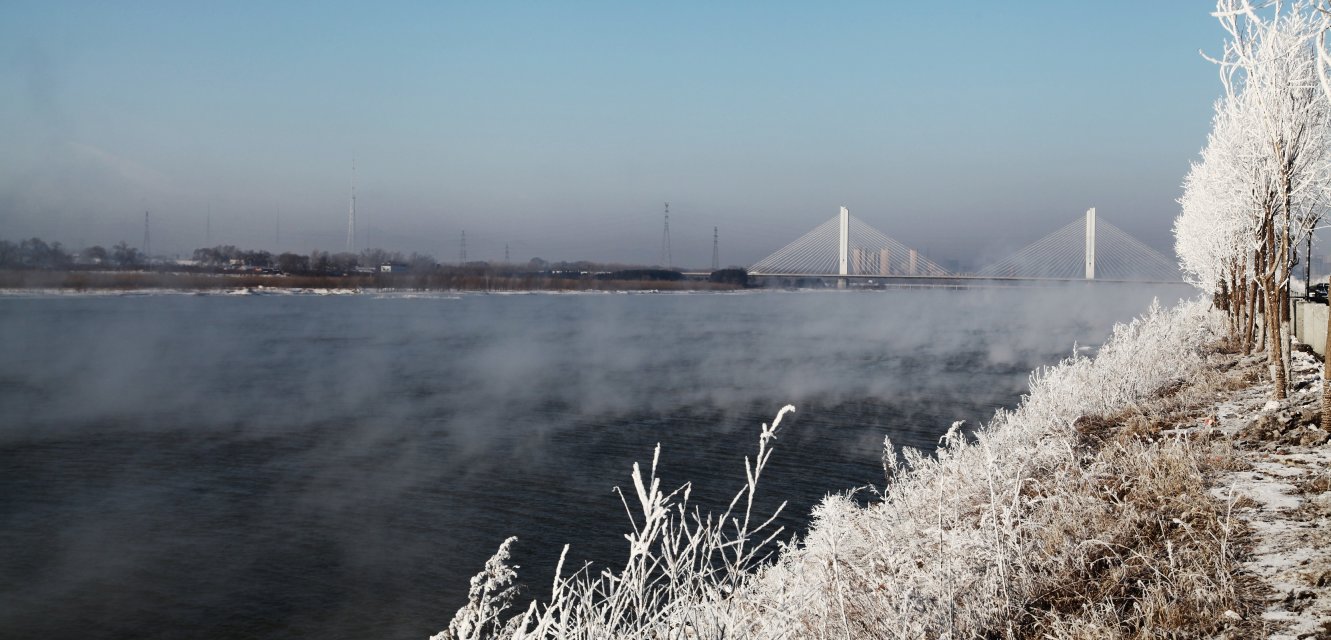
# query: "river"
[271,466]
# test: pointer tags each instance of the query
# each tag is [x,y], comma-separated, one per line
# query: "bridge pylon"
[1090,243]
[843,245]
[1088,248]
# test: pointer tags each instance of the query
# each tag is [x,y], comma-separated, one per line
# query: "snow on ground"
[1280,490]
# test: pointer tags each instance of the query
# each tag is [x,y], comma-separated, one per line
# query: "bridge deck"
[950,279]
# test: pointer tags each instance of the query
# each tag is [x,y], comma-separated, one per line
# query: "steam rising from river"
[340,465]
[262,367]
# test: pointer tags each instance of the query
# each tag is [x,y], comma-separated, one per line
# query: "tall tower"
[716,250]
[462,255]
[351,219]
[1090,243]
[843,245]
[146,250]
[666,258]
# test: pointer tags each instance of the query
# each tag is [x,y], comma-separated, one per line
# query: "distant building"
[393,267]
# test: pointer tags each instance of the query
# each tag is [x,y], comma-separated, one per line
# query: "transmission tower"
[666,258]
[351,219]
[505,253]
[462,255]
[716,250]
[145,236]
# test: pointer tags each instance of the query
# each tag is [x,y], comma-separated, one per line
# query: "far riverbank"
[88,280]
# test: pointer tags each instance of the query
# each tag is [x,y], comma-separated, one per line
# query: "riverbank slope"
[1152,490]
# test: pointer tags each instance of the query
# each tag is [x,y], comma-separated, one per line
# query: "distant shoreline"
[109,280]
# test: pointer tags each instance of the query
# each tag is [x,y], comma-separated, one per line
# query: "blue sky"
[964,129]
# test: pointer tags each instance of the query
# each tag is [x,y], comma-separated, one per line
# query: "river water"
[284,465]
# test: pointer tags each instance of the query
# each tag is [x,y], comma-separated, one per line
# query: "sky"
[559,130]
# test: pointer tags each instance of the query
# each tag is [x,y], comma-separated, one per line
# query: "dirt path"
[1282,489]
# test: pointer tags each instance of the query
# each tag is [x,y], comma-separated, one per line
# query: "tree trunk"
[1233,303]
[1277,355]
[1281,272]
[1285,308]
[1265,325]
[1271,306]
[1248,331]
[1326,373]
[1249,307]
[1239,297]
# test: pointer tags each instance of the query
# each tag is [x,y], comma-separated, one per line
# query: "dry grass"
[1136,548]
[1319,484]
[1227,345]
[1223,456]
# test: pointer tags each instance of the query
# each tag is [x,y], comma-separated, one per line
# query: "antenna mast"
[666,258]
[351,220]
[462,259]
[716,250]
[145,235]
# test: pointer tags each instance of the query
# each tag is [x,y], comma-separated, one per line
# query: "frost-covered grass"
[1020,531]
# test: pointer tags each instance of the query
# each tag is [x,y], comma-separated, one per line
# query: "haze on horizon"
[963,130]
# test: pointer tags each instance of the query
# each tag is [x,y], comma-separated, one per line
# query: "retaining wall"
[1310,325]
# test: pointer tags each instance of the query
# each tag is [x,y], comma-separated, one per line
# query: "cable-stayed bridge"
[1089,248]
[829,250]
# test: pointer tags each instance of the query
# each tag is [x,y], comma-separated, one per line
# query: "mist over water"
[270,466]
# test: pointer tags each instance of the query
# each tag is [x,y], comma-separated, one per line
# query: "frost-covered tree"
[1220,214]
[1324,78]
[1265,169]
